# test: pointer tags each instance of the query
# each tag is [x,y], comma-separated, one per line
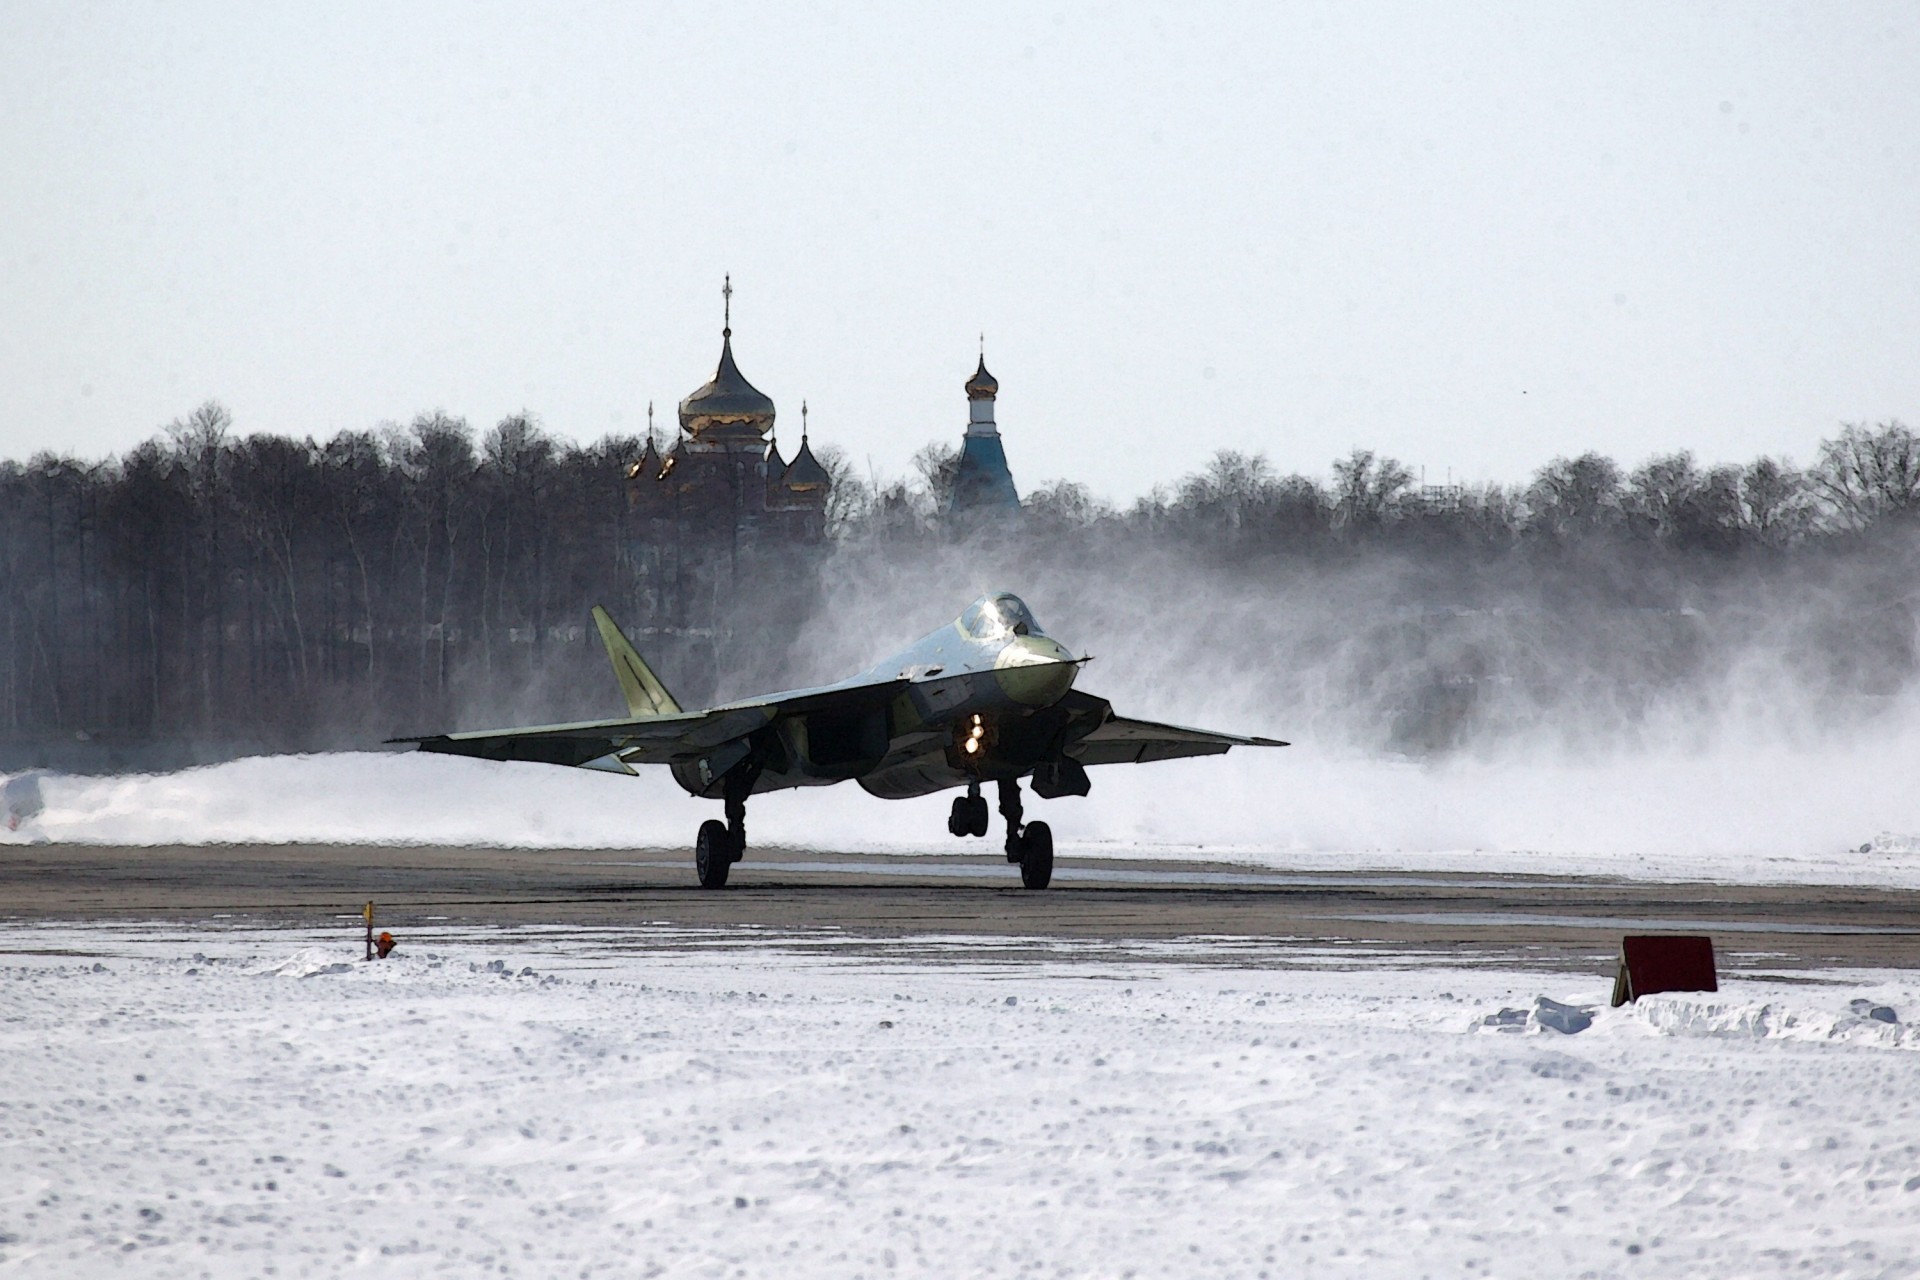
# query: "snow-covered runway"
[721,1103]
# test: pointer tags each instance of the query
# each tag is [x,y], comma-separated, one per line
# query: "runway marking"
[1488,920]
[1114,875]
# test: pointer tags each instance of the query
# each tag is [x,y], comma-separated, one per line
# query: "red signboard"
[1663,962]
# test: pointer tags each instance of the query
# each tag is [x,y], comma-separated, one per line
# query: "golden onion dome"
[727,398]
[982,385]
[805,473]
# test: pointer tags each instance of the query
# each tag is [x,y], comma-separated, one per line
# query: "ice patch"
[1868,1009]
[1546,1015]
[1567,1019]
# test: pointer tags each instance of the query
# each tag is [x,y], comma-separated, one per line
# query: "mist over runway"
[1839,813]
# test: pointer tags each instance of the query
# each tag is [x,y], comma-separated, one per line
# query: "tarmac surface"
[942,904]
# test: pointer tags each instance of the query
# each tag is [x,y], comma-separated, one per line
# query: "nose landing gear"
[1036,855]
[1029,844]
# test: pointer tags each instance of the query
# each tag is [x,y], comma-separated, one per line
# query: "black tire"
[980,814]
[713,854]
[1036,855]
[960,819]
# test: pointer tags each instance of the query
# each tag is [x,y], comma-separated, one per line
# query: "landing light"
[973,745]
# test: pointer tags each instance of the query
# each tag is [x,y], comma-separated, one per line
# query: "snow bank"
[310,962]
[1770,814]
[667,1102]
[1775,1020]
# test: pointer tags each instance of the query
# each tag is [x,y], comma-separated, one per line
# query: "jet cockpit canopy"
[999,615]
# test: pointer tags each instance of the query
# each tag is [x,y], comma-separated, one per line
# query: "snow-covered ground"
[640,1102]
[1836,815]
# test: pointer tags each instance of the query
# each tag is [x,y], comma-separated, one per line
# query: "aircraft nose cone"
[1035,671]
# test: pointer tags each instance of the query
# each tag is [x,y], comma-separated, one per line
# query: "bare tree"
[438,461]
[938,466]
[849,498]
[1063,506]
[200,440]
[1575,496]
[1869,474]
[1776,504]
[1366,487]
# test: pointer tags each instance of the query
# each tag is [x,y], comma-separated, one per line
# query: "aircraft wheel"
[969,816]
[1036,855]
[713,854]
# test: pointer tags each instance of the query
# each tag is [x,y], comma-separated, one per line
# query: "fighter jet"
[987,698]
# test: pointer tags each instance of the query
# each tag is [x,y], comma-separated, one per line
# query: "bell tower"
[982,482]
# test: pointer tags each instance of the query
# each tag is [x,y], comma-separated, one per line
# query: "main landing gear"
[969,816]
[721,844]
[1030,845]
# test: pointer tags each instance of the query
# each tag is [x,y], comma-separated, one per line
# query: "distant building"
[718,513]
[723,483]
[1439,499]
[981,483]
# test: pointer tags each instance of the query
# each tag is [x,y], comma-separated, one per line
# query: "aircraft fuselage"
[977,701]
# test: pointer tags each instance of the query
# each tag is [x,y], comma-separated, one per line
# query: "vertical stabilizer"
[646,696]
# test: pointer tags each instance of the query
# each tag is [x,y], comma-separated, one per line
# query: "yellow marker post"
[368,913]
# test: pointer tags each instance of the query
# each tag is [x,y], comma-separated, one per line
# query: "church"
[719,517]
[723,486]
[723,481]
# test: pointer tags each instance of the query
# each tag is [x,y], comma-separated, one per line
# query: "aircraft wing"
[664,739]
[1120,740]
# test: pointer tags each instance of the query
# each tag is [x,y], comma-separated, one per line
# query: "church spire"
[805,474]
[982,387]
[982,480]
[728,408]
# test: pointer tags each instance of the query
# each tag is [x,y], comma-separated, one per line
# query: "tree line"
[212,591]
[1864,476]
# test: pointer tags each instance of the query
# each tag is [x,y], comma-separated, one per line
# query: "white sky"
[1473,237]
